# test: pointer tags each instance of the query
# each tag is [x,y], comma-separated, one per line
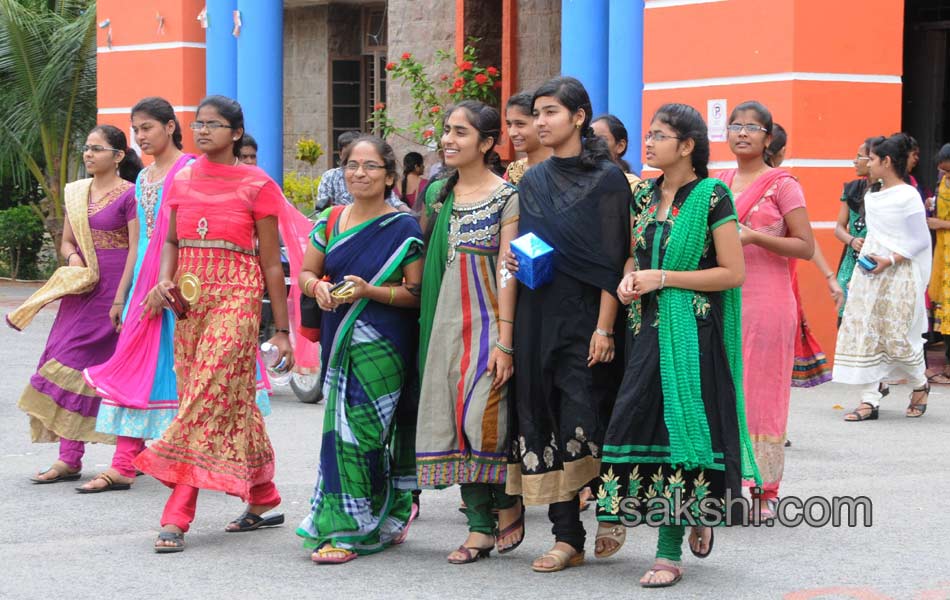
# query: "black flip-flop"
[170,536]
[251,522]
[60,477]
[515,526]
[712,540]
[111,485]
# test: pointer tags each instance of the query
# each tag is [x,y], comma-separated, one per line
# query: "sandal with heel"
[919,407]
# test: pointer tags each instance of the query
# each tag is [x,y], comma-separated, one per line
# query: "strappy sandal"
[856,416]
[614,533]
[658,566]
[177,539]
[111,485]
[251,522]
[63,473]
[562,560]
[883,389]
[328,554]
[919,407]
[940,377]
[515,526]
[469,557]
[696,535]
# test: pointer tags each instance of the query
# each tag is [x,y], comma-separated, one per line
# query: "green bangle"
[505,349]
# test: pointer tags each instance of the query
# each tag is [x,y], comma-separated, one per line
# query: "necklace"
[349,210]
[149,199]
[473,191]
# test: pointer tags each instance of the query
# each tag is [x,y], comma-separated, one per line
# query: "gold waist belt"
[222,244]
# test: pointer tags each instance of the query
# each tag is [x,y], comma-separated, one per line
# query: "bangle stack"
[392,294]
[662,279]
[505,349]
[604,333]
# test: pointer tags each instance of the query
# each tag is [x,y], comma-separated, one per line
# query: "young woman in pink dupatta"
[774,227]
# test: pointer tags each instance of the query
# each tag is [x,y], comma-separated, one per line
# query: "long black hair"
[688,125]
[382,148]
[896,147]
[487,123]
[232,113]
[779,141]
[130,165]
[619,132]
[160,110]
[410,162]
[572,94]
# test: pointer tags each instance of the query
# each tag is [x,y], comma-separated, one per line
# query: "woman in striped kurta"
[467,326]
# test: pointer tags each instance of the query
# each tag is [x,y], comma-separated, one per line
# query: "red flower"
[453,91]
[435,110]
[379,106]
[492,71]
[406,55]
[444,78]
[390,66]
[428,133]
[465,66]
[481,79]
[458,83]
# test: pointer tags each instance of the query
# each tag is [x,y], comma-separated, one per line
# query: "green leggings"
[670,543]
[480,499]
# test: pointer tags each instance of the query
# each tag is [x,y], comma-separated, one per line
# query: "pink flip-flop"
[405,530]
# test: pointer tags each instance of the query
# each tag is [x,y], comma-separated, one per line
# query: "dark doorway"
[926,90]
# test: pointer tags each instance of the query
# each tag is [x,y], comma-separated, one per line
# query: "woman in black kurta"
[566,376]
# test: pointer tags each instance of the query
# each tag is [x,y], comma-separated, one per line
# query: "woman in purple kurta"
[60,404]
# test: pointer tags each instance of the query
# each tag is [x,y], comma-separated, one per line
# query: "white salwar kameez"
[881,333]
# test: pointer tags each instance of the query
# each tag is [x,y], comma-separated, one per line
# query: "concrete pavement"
[58,544]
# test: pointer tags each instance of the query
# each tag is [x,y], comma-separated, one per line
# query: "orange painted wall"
[176,73]
[825,120]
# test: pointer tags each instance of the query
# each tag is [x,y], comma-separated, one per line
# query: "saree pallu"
[218,440]
[362,498]
[939,288]
[57,399]
[811,367]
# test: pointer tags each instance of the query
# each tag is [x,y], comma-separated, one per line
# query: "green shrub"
[21,238]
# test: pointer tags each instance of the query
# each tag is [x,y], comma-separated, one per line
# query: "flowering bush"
[309,151]
[430,95]
[301,190]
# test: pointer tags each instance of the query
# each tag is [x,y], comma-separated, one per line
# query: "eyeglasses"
[368,167]
[209,125]
[860,157]
[97,148]
[658,136]
[749,128]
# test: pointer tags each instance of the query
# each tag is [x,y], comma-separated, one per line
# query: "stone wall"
[306,82]
[539,42]
[421,27]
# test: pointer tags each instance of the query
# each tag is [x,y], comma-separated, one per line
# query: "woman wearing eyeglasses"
[773,227]
[363,267]
[850,228]
[100,227]
[218,440]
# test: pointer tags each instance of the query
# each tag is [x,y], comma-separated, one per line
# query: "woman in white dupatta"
[885,317]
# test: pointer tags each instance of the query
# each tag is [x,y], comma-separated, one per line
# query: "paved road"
[57,544]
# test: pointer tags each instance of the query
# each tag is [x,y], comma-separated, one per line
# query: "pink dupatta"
[127,377]
[752,194]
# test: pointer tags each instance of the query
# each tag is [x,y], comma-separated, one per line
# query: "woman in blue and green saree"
[363,268]
[671,443]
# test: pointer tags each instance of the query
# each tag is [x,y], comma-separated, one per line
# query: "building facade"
[833,73]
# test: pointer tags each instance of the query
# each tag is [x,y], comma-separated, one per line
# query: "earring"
[235,139]
[577,125]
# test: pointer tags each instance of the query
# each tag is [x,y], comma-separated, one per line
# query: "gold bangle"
[392,293]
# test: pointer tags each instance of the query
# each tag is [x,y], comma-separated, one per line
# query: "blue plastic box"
[535,260]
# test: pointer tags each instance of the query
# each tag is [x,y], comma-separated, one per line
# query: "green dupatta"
[437,252]
[683,410]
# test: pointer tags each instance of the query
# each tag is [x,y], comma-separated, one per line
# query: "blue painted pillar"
[220,49]
[260,79]
[584,46]
[625,69]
